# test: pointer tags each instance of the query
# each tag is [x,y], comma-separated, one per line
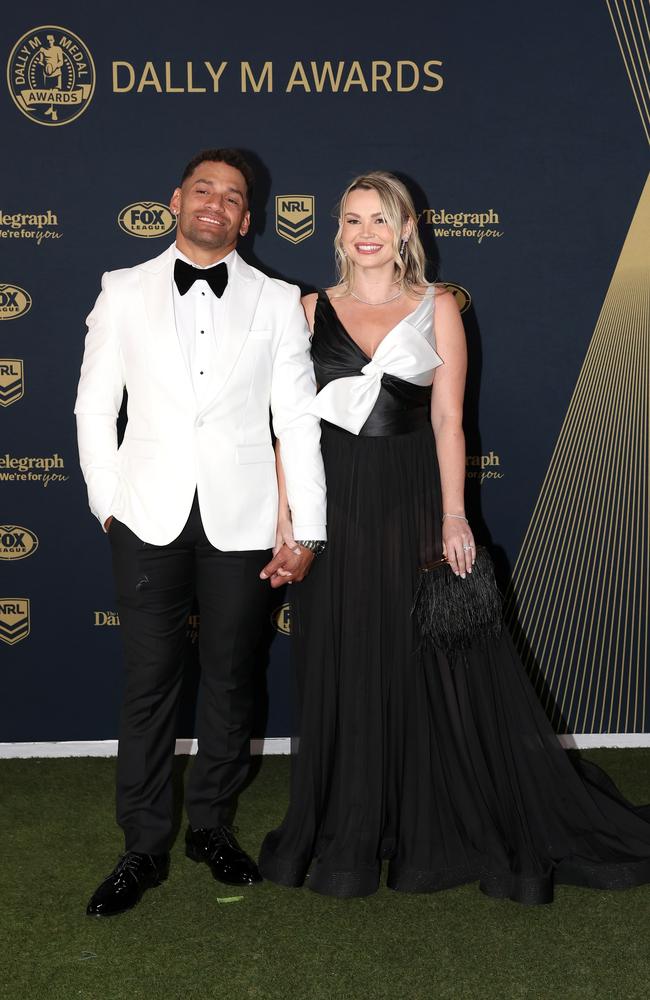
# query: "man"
[51,59]
[206,346]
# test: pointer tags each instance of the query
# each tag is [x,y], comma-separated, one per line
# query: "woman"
[449,771]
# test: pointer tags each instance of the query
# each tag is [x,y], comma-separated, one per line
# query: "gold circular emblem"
[14,302]
[51,75]
[462,296]
[16,542]
[281,619]
[146,219]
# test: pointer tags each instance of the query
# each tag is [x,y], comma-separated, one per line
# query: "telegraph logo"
[483,467]
[281,619]
[14,302]
[477,226]
[12,382]
[51,75]
[14,619]
[146,219]
[16,542]
[462,296]
[36,226]
[295,216]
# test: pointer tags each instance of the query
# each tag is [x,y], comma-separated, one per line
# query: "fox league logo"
[16,542]
[14,302]
[51,75]
[146,219]
[14,619]
[281,619]
[295,216]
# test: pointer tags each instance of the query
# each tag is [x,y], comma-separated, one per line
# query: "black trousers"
[156,587]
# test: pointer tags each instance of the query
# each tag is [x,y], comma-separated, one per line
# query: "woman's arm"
[447,422]
[284,532]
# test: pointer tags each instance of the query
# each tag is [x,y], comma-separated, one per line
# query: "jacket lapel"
[245,286]
[156,283]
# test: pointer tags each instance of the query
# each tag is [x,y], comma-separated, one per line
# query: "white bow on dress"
[407,351]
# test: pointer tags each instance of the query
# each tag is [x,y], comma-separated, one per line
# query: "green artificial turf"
[192,939]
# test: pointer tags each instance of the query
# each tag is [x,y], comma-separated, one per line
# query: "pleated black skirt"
[449,771]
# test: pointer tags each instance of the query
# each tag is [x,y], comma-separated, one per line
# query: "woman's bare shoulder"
[445,299]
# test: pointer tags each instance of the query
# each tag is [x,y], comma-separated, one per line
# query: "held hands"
[458,546]
[288,566]
[290,561]
[108,522]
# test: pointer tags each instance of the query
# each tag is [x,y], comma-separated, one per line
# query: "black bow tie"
[186,274]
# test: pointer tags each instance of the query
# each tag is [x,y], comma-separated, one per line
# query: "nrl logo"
[295,216]
[14,302]
[16,542]
[12,383]
[14,619]
[462,296]
[281,619]
[146,219]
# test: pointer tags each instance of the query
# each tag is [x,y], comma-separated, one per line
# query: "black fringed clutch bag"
[452,613]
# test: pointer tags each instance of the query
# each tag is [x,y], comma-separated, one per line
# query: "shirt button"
[202,331]
[200,373]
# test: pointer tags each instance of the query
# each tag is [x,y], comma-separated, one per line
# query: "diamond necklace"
[383,302]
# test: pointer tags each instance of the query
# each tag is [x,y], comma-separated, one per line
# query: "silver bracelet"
[314,546]
[461,517]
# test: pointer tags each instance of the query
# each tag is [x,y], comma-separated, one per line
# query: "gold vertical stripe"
[633,43]
[640,30]
[579,597]
[631,68]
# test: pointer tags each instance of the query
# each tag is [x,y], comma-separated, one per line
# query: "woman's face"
[366,235]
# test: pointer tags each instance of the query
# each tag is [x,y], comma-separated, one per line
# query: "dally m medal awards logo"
[14,619]
[295,216]
[14,302]
[16,542]
[51,75]
[146,219]
[462,296]
[12,382]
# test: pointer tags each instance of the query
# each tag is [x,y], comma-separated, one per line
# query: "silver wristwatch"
[314,546]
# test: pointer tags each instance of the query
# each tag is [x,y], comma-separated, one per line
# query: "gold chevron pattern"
[578,603]
[630,21]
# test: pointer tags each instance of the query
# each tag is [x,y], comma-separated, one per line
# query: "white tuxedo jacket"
[223,448]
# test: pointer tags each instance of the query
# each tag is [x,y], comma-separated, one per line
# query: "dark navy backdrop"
[534,121]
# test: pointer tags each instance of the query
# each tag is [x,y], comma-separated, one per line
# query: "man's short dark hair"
[233,157]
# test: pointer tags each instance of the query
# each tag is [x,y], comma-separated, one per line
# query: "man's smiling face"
[212,209]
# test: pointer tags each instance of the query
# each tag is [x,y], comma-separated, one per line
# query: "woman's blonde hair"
[397,207]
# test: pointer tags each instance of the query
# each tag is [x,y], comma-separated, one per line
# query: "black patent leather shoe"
[125,886]
[219,849]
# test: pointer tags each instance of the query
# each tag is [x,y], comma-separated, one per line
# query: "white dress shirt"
[200,318]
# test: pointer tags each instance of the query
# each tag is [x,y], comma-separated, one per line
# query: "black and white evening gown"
[451,773]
